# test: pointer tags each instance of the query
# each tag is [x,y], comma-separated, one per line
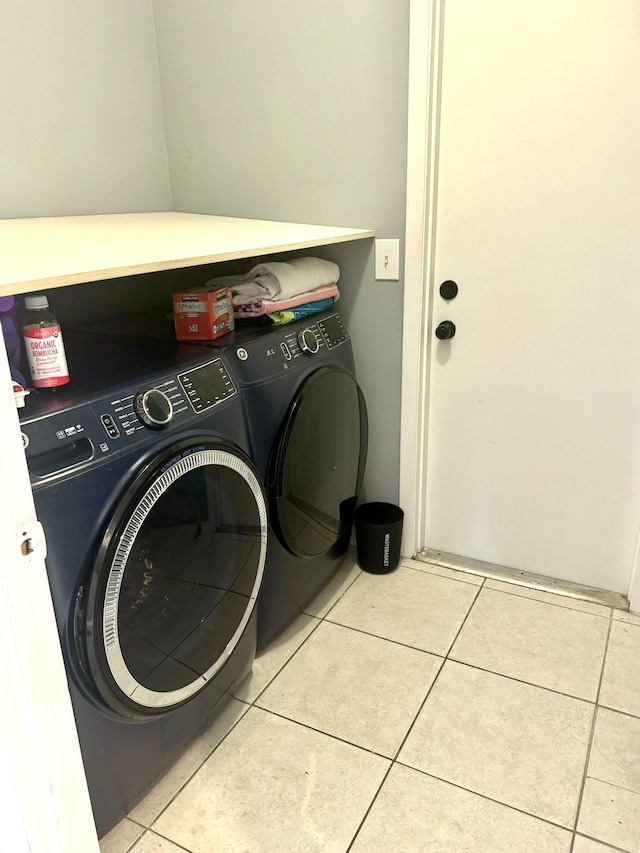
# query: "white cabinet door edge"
[43,793]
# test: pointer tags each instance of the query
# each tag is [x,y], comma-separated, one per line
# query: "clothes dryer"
[156,527]
[309,433]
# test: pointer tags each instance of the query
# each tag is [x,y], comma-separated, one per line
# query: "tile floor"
[425,710]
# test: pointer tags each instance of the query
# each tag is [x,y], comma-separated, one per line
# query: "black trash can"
[378,534]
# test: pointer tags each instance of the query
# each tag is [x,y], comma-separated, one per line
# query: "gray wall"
[297,112]
[272,110]
[82,129]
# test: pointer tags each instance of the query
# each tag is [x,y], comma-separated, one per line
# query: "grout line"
[413,722]
[593,729]
[408,732]
[139,838]
[384,639]
[322,732]
[165,838]
[618,711]
[606,844]
[289,659]
[340,596]
[250,704]
[369,807]
[552,603]
[613,785]
[197,769]
[617,618]
[464,621]
[485,797]
[522,681]
[443,576]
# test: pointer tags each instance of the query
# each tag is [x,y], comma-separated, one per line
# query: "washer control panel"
[174,401]
[121,416]
[207,386]
[65,441]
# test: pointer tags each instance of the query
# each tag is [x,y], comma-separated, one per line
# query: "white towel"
[284,279]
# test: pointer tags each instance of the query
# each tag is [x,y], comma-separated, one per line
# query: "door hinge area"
[32,541]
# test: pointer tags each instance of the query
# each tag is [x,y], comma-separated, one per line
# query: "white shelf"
[38,254]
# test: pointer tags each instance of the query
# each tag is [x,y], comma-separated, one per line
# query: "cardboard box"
[203,315]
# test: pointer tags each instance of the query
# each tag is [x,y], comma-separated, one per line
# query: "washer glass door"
[318,464]
[176,579]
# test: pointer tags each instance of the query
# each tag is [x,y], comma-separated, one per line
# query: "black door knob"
[448,289]
[445,330]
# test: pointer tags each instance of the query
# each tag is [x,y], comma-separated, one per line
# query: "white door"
[534,411]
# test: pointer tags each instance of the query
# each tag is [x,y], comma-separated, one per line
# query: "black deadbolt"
[448,289]
[445,330]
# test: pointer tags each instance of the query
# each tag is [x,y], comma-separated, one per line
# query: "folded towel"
[285,279]
[259,306]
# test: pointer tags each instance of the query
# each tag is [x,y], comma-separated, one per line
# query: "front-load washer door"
[176,578]
[318,463]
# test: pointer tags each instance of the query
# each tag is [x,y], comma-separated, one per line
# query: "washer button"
[110,426]
[285,351]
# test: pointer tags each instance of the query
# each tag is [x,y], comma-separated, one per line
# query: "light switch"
[387,260]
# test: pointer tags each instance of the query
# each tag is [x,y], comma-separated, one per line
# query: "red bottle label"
[46,356]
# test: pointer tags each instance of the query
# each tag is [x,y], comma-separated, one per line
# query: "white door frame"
[425,67]
[425,61]
[44,801]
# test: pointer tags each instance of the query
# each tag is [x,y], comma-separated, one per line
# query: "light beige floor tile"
[622,669]
[587,845]
[521,745]
[121,838]
[271,660]
[430,815]
[357,687]
[152,843]
[337,586]
[623,616]
[274,785]
[443,571]
[535,642]
[615,752]
[610,814]
[549,597]
[415,608]
[149,809]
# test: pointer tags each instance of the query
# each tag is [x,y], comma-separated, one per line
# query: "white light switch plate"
[387,260]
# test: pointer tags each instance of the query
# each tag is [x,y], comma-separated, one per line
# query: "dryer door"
[176,578]
[318,463]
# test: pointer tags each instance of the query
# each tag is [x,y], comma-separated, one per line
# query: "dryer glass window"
[320,462]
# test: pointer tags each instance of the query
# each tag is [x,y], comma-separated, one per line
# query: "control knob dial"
[308,342]
[154,408]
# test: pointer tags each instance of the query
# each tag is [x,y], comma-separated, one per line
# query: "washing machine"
[309,433]
[156,525]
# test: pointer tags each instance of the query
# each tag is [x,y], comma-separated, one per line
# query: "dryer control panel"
[288,348]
